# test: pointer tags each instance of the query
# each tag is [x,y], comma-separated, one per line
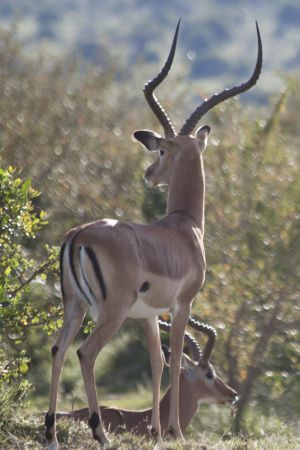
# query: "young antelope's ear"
[148,139]
[202,135]
[186,361]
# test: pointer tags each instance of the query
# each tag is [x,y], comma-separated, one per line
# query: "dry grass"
[28,433]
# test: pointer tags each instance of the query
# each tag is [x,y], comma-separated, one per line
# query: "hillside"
[217,42]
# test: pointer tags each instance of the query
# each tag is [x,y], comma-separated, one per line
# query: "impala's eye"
[161,152]
[210,374]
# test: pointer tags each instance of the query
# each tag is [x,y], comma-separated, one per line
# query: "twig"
[32,277]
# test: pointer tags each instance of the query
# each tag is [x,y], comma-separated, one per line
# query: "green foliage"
[20,222]
[252,242]
[153,204]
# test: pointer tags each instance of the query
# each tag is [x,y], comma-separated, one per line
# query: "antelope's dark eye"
[209,374]
[161,152]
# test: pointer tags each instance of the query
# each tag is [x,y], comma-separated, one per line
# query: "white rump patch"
[110,222]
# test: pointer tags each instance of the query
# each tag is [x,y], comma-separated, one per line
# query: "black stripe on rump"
[72,265]
[97,270]
[61,268]
[84,277]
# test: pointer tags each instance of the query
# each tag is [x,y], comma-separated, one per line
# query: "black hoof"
[49,422]
[153,432]
[171,431]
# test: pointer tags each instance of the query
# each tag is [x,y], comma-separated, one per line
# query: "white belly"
[162,288]
[140,310]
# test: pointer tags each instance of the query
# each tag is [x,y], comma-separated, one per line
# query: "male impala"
[198,384]
[119,270]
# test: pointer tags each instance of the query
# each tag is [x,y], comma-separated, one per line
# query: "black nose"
[234,396]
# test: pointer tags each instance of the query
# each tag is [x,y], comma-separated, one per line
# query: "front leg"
[179,323]
[156,360]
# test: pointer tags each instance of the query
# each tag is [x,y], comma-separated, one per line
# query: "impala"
[118,270]
[198,384]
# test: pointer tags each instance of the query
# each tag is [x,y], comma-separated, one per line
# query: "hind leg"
[73,317]
[104,330]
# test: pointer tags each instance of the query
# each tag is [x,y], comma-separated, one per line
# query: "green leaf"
[23,367]
[7,271]
[26,185]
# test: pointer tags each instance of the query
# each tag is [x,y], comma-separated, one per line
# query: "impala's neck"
[188,405]
[187,187]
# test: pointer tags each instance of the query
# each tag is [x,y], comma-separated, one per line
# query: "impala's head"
[174,145]
[207,386]
[169,151]
[197,373]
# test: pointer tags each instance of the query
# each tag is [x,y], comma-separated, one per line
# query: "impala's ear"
[148,139]
[202,135]
[186,362]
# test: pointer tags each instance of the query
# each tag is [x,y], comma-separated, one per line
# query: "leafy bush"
[19,224]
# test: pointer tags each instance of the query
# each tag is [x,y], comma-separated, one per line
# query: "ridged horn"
[208,104]
[154,104]
[191,343]
[210,333]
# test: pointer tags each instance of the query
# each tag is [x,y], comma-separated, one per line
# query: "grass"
[209,430]
[28,433]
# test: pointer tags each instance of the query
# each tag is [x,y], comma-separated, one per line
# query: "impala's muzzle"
[234,405]
[233,397]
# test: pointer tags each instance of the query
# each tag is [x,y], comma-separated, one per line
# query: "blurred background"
[217,43]
[71,79]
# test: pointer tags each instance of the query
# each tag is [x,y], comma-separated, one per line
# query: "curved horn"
[152,84]
[208,104]
[210,332]
[191,343]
